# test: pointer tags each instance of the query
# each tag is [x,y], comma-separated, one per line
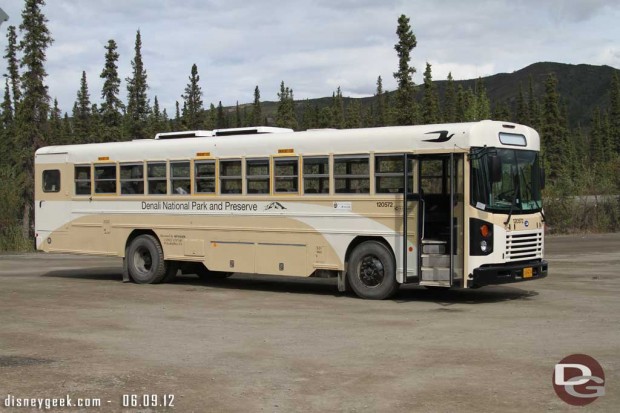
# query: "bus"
[441,206]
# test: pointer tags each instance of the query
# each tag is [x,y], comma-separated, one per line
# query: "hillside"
[581,87]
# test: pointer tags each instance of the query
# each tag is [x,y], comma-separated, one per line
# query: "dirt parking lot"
[69,326]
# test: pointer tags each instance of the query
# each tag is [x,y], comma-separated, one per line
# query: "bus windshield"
[510,183]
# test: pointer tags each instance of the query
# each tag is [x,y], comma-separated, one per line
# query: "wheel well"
[136,233]
[358,240]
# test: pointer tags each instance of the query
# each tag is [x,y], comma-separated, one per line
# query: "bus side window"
[51,180]
[286,175]
[230,176]
[316,175]
[180,178]
[257,176]
[132,179]
[156,178]
[389,174]
[82,180]
[352,174]
[105,179]
[204,172]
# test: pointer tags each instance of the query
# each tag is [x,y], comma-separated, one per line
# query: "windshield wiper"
[514,197]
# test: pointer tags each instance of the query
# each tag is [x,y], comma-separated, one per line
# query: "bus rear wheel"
[145,260]
[372,271]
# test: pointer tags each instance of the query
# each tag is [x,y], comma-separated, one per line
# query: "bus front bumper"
[508,273]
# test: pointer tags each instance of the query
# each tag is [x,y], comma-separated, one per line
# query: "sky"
[314,46]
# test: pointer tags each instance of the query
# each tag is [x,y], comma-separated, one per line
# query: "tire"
[145,260]
[372,271]
[204,274]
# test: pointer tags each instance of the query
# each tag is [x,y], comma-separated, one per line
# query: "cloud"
[314,46]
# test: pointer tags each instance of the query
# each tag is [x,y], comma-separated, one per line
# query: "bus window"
[82,180]
[132,179]
[316,175]
[179,178]
[352,174]
[51,180]
[389,174]
[432,176]
[105,179]
[156,177]
[204,172]
[230,176]
[257,176]
[286,175]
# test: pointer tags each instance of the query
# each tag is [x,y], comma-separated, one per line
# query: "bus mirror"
[495,167]
[542,178]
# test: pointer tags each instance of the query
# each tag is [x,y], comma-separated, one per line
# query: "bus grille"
[524,245]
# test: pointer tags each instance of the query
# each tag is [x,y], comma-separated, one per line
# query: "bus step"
[435,274]
[433,247]
[436,283]
[436,260]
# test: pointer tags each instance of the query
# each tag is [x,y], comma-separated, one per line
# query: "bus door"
[441,223]
[411,222]
[50,206]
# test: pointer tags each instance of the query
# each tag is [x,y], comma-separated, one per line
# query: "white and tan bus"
[451,205]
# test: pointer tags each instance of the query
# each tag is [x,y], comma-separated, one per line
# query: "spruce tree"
[502,112]
[7,116]
[461,104]
[450,101]
[535,114]
[554,136]
[221,121]
[470,105]
[257,112]
[13,65]
[6,126]
[238,121]
[157,122]
[33,108]
[193,101]
[82,113]
[56,137]
[614,111]
[212,117]
[309,116]
[483,105]
[285,114]
[523,113]
[354,114]
[325,117]
[381,113]
[430,101]
[177,124]
[405,103]
[111,107]
[338,120]
[137,101]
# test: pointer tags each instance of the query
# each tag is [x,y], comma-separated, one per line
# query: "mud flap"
[126,278]
[343,285]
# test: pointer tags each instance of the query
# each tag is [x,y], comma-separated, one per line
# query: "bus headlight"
[480,237]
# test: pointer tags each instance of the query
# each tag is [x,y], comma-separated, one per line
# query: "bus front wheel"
[145,260]
[372,271]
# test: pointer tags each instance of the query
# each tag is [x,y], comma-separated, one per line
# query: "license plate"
[527,272]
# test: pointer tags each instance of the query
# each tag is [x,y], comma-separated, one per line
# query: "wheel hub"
[371,271]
